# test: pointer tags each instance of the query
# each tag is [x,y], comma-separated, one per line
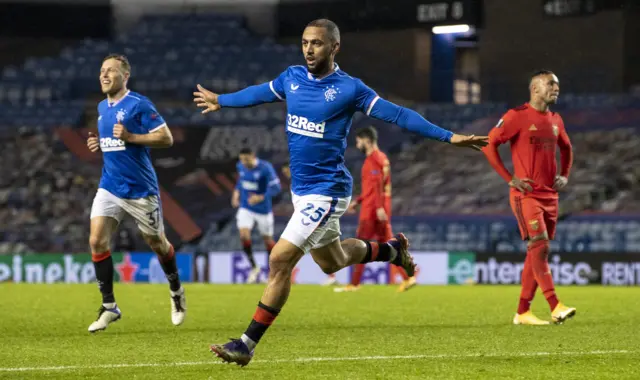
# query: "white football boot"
[178,306]
[106,316]
[253,276]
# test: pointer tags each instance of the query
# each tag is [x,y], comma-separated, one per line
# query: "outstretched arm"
[409,119]
[372,105]
[248,97]
[413,121]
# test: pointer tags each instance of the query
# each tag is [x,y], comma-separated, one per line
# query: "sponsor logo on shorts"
[110,144]
[302,126]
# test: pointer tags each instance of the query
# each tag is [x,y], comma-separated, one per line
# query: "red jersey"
[534,136]
[376,186]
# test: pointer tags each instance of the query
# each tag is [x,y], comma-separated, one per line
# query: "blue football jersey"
[261,180]
[319,117]
[128,171]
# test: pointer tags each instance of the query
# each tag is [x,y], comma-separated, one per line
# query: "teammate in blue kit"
[128,125]
[321,101]
[257,184]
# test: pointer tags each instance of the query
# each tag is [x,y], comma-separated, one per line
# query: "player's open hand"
[353,206]
[521,184]
[560,182]
[206,99]
[470,141]
[120,132]
[92,142]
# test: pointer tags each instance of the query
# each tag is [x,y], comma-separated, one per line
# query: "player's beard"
[115,88]
[320,66]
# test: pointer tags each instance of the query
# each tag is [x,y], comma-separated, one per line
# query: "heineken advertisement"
[51,268]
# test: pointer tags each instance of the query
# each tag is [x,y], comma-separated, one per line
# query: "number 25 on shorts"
[313,215]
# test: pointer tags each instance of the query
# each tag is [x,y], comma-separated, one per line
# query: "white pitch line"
[320,359]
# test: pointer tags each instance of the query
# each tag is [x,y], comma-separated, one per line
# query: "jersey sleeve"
[277,85]
[505,130]
[150,119]
[273,181]
[365,98]
[566,150]
[239,180]
[254,95]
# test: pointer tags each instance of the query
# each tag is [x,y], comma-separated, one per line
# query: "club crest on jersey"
[120,115]
[330,93]
[555,130]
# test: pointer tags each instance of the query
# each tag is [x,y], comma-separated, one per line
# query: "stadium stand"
[45,191]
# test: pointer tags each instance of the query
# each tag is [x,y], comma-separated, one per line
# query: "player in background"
[257,184]
[534,132]
[375,203]
[321,101]
[128,125]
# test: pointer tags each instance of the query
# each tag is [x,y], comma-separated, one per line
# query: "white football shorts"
[147,212]
[247,219]
[315,222]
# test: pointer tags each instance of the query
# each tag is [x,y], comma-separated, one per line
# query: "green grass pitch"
[455,332]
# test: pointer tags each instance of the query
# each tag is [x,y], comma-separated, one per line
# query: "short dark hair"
[368,133]
[330,26]
[124,61]
[537,73]
[246,150]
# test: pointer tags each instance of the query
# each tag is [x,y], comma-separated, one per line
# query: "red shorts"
[535,215]
[374,230]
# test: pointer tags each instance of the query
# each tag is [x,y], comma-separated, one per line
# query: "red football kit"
[534,136]
[375,194]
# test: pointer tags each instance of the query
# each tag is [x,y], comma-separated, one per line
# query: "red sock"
[539,252]
[262,319]
[98,257]
[356,276]
[529,286]
[269,245]
[168,257]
